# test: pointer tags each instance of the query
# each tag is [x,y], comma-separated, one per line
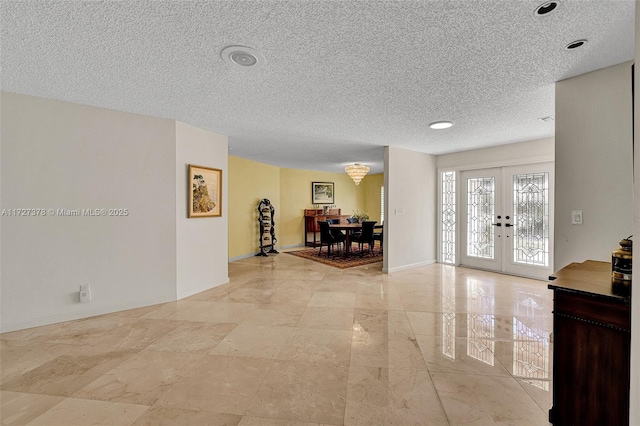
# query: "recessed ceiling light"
[242,56]
[546,8]
[439,125]
[575,44]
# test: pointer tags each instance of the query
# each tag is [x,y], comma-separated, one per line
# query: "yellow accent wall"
[289,191]
[249,182]
[371,192]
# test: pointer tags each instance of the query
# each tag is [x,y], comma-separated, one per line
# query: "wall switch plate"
[85,293]
[576,217]
[399,212]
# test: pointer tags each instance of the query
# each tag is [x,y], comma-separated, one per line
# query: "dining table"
[349,229]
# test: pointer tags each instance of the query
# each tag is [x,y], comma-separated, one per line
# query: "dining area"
[339,237]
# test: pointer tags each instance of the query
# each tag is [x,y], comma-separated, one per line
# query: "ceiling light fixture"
[357,171]
[546,8]
[439,125]
[575,44]
[242,56]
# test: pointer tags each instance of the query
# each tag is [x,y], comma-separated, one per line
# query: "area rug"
[339,261]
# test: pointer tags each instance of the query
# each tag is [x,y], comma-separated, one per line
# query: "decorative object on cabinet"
[360,216]
[591,355]
[322,193]
[357,172]
[267,228]
[205,191]
[621,266]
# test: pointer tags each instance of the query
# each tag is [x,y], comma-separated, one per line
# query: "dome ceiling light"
[439,125]
[242,56]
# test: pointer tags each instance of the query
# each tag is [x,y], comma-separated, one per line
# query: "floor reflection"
[530,349]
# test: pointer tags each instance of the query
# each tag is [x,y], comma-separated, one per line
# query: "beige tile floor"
[293,342]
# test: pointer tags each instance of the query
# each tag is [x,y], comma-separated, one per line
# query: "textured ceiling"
[341,79]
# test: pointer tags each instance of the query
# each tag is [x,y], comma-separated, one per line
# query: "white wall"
[202,247]
[593,164]
[57,155]
[634,413]
[410,209]
[539,150]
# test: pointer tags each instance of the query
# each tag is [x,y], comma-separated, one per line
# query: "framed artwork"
[322,193]
[205,191]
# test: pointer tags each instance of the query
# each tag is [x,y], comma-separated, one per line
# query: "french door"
[507,219]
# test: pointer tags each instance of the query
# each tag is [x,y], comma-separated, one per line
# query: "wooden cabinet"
[311,228]
[591,354]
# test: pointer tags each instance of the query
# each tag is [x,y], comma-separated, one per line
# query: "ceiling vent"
[546,8]
[547,119]
[242,56]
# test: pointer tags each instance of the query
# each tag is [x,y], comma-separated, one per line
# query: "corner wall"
[410,209]
[70,160]
[593,164]
[201,249]
[63,156]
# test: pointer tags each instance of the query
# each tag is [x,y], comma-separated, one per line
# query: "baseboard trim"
[84,313]
[200,289]
[411,266]
[246,256]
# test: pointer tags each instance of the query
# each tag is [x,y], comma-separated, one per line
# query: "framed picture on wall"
[205,191]
[322,193]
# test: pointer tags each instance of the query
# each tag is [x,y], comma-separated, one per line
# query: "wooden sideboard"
[591,353]
[311,218]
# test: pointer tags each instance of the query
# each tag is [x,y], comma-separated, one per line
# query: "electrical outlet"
[85,293]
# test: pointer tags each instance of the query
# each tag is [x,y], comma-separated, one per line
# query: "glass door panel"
[506,217]
[481,241]
[530,203]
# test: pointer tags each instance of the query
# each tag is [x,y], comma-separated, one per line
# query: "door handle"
[508,225]
[497,224]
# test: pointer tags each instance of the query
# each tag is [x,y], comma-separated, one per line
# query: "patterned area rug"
[339,261]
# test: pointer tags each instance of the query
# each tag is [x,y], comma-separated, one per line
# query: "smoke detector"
[242,56]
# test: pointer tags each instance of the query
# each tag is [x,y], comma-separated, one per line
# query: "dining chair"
[366,237]
[379,236]
[326,238]
[336,232]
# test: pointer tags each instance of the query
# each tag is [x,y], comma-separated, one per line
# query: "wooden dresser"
[311,218]
[591,353]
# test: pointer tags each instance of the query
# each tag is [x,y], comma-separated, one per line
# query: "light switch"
[576,217]
[399,212]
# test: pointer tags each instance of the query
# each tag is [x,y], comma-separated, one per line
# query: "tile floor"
[292,342]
